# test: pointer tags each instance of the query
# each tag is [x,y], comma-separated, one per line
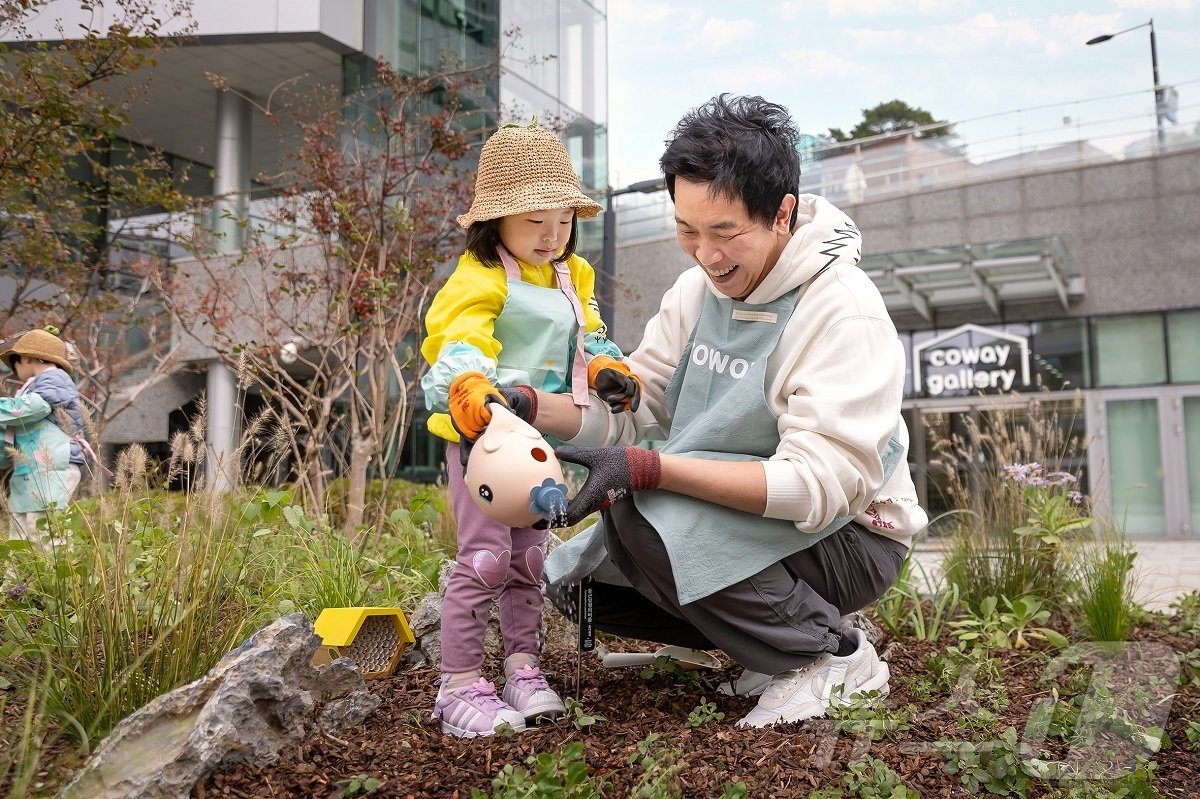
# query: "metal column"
[231,185]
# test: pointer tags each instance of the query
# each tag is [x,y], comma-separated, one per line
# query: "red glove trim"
[645,468]
[531,394]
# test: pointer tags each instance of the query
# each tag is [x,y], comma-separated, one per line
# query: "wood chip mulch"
[404,748]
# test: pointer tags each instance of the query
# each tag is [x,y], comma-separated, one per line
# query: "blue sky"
[826,60]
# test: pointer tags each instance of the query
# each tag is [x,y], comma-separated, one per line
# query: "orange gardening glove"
[615,383]
[470,394]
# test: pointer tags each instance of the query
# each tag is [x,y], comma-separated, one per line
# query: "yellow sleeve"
[584,278]
[465,309]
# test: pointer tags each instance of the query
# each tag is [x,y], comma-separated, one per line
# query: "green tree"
[892,116]
[67,178]
[371,189]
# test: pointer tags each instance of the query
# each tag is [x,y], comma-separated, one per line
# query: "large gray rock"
[261,697]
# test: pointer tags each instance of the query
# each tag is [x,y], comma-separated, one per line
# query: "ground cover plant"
[1063,688]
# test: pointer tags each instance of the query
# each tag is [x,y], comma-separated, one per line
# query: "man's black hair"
[743,147]
[484,236]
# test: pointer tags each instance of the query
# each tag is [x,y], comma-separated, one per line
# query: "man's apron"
[719,411]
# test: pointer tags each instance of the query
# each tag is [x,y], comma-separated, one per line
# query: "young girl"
[518,311]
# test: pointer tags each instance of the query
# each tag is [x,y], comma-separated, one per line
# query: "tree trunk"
[361,447]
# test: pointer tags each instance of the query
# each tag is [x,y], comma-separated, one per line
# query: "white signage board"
[970,359]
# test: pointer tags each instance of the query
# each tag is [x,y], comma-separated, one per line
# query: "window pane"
[1135,460]
[532,51]
[1183,335]
[1059,357]
[1191,434]
[1130,351]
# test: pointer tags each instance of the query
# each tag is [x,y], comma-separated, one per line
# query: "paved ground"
[1166,569]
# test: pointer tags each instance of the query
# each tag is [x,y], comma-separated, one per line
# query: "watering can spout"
[548,500]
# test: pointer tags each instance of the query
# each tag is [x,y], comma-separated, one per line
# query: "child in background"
[45,459]
[519,310]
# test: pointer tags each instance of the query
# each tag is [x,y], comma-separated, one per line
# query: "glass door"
[1146,459]
[1188,434]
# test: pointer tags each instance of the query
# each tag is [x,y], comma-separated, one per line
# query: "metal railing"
[1025,141]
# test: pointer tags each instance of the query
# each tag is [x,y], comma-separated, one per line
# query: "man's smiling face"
[736,251]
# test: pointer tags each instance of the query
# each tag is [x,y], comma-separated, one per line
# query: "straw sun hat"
[40,344]
[523,169]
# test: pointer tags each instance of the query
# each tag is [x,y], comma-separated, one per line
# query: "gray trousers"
[781,618]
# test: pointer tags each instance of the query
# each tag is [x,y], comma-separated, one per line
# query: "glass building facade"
[1122,391]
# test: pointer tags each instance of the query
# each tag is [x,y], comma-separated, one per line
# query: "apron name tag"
[755,316]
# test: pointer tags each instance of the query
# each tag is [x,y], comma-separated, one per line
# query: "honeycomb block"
[374,638]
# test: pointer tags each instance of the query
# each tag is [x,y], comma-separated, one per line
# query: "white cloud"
[790,10]
[809,64]
[1182,6]
[747,77]
[986,32]
[645,13]
[721,34]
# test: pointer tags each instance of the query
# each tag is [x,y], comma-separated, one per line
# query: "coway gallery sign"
[971,359]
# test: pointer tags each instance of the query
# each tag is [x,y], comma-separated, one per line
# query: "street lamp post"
[1158,91]
[606,298]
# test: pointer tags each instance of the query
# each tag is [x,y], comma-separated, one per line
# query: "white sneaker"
[474,710]
[804,693]
[749,683]
[527,692]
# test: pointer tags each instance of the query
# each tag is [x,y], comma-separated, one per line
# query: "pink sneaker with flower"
[527,692]
[474,710]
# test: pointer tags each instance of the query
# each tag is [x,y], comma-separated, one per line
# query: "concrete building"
[554,69]
[1064,278]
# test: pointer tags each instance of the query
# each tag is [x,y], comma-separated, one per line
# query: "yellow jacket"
[465,310]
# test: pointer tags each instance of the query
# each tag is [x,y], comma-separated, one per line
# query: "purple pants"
[494,562]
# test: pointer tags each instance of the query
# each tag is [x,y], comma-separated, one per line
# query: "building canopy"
[992,274]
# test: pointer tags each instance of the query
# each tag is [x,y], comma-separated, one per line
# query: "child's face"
[538,236]
[24,367]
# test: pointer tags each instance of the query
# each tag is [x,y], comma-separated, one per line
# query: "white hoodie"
[835,382]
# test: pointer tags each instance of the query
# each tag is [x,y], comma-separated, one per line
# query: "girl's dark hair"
[484,236]
[743,147]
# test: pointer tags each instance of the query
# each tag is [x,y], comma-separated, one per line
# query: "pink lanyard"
[579,385]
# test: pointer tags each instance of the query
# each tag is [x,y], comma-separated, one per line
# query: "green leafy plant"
[704,713]
[1186,613]
[358,785]
[1190,661]
[996,766]
[660,763]
[1192,731]
[866,713]
[1137,783]
[580,718]
[1053,514]
[1006,624]
[874,779]
[905,613]
[671,670]
[550,775]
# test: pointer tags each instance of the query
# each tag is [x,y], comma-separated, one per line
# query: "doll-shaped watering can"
[513,474]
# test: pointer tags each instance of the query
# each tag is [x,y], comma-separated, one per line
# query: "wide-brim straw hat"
[40,344]
[523,169]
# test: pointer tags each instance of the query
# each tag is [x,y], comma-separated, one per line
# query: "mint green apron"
[719,411]
[541,332]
